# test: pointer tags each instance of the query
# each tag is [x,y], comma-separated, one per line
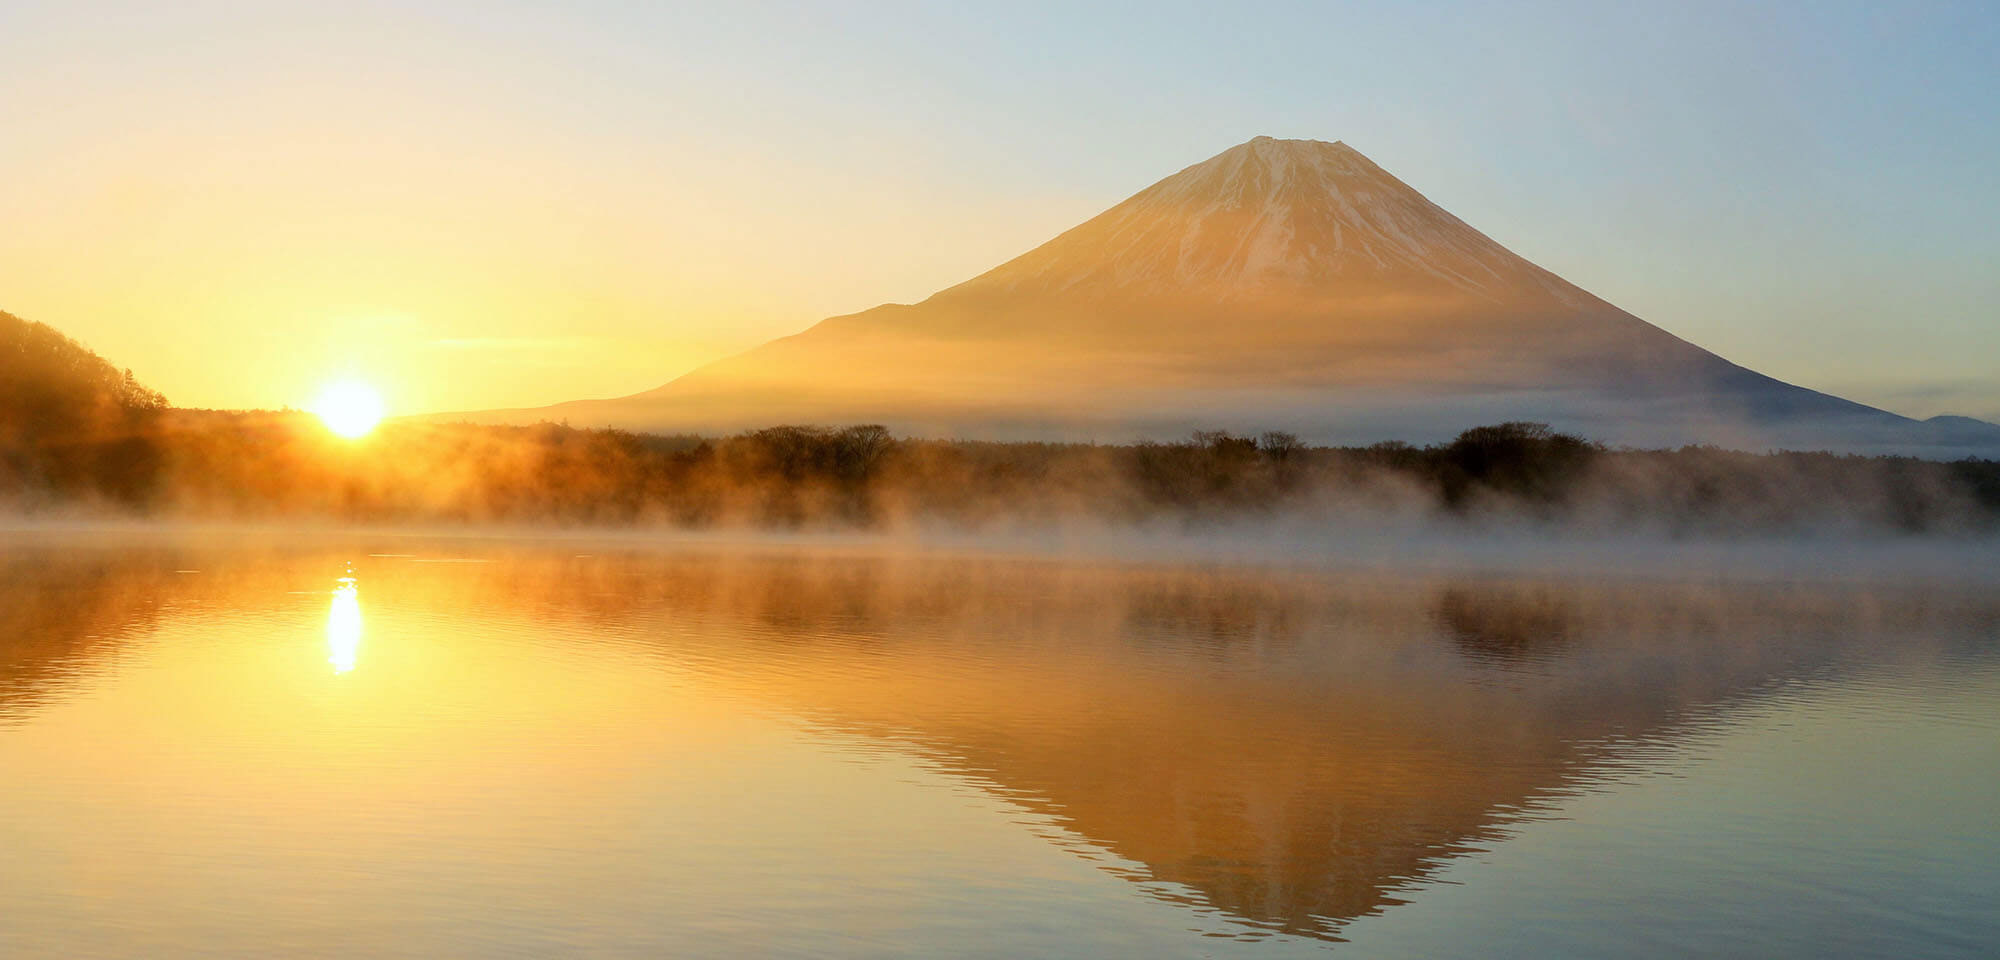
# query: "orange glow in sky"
[512,205]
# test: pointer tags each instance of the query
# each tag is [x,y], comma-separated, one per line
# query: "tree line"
[77,433]
[266,466]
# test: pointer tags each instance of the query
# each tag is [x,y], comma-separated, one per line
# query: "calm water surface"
[493,749]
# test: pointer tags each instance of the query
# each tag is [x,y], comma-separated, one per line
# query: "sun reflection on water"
[343,626]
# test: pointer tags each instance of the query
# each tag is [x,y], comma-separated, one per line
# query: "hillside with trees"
[78,434]
[70,421]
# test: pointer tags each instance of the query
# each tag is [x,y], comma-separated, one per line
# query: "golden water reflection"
[1281,752]
[343,627]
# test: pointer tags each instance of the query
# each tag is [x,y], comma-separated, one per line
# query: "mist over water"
[467,544]
[502,747]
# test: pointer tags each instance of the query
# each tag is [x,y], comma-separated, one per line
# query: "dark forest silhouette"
[71,423]
[253,466]
[78,433]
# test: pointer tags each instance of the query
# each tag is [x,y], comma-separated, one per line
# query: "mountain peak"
[1295,143]
[1303,218]
[1285,143]
[1280,284]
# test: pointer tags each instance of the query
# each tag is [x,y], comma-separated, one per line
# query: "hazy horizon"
[937,480]
[454,207]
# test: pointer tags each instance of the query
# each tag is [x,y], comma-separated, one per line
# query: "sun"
[349,408]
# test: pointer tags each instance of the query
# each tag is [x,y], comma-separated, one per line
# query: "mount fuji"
[1281,284]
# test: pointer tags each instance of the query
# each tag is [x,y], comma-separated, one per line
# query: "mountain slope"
[1287,284]
[1272,214]
[53,388]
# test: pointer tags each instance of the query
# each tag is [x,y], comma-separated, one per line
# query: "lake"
[348,745]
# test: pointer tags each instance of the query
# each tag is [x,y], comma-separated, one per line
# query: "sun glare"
[343,627]
[349,409]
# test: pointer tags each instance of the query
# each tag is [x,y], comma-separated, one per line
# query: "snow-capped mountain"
[1281,284]
[1297,215]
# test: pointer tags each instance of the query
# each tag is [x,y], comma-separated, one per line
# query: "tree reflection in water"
[1292,750]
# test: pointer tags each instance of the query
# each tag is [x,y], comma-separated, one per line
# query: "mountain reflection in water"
[1289,750]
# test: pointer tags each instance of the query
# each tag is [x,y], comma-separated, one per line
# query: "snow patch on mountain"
[1299,215]
[1281,284]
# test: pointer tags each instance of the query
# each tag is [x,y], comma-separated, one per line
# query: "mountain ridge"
[1286,284]
[1268,181]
